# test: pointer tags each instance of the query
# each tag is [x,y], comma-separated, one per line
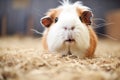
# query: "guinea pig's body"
[68,30]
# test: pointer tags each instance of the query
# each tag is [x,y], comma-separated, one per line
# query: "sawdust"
[24,59]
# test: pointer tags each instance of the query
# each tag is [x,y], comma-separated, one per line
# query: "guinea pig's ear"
[86,17]
[46,21]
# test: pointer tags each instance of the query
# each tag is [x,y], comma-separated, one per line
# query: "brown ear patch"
[86,17]
[50,17]
[46,21]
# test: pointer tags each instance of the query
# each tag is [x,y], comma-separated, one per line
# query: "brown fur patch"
[44,41]
[53,13]
[79,11]
[93,42]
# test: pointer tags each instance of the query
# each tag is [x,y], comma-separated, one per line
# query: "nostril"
[72,28]
[65,28]
[69,28]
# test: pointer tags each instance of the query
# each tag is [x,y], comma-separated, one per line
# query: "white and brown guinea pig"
[68,30]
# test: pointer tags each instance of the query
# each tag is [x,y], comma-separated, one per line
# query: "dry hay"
[24,59]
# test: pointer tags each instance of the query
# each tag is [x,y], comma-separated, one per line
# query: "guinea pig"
[68,30]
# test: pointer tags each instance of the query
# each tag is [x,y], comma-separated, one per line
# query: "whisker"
[107,36]
[37,31]
[102,25]
[100,19]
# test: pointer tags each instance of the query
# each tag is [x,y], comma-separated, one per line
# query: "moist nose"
[69,28]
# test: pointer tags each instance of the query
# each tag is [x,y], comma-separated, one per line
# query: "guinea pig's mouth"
[70,40]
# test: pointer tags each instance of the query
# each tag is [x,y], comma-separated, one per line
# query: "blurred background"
[20,16]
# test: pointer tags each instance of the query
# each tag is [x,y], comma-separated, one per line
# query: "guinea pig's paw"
[65,54]
[73,56]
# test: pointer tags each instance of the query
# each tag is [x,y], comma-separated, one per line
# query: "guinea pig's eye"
[80,18]
[56,19]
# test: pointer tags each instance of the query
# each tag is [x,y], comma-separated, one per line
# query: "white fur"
[57,34]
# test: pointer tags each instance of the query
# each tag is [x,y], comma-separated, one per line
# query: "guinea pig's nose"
[69,28]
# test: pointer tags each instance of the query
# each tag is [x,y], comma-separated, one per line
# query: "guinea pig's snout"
[69,28]
[69,34]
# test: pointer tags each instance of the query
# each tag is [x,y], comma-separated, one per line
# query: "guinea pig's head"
[66,27]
